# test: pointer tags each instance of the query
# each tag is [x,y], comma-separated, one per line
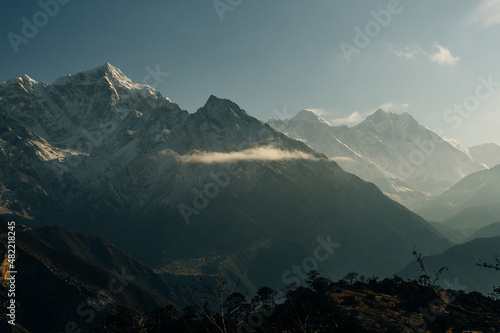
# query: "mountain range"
[405,159]
[97,153]
[452,186]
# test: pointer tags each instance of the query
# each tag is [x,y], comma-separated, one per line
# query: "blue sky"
[275,58]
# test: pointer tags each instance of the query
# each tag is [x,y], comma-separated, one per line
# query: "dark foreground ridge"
[86,295]
[350,305]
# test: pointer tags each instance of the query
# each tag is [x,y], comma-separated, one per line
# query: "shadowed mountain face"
[491,230]
[472,203]
[102,253]
[98,153]
[488,153]
[462,262]
[402,157]
[56,290]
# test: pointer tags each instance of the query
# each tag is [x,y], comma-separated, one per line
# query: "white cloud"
[442,57]
[487,13]
[352,119]
[356,117]
[343,159]
[267,153]
[319,112]
[393,106]
[410,51]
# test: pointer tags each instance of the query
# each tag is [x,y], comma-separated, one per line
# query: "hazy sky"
[274,58]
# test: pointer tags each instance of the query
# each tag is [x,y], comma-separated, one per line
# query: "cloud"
[487,13]
[393,106]
[409,52]
[343,159]
[266,153]
[352,119]
[356,117]
[319,112]
[442,57]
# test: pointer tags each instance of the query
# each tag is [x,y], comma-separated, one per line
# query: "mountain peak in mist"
[382,115]
[377,149]
[487,153]
[381,121]
[308,115]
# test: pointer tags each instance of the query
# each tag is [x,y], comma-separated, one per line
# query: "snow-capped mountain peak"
[22,79]
[25,82]
[106,74]
[380,115]
[309,116]
[382,121]
[26,78]
[112,74]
